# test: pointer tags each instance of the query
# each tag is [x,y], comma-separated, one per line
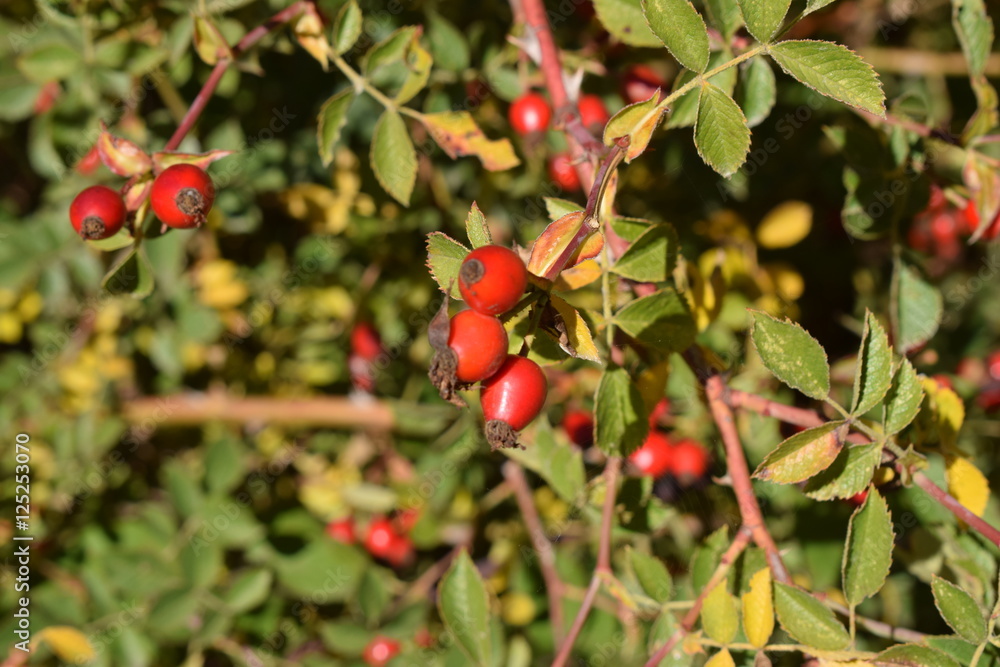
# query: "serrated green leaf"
[681,29]
[390,50]
[974,28]
[444,258]
[725,16]
[873,372]
[651,258]
[917,308]
[913,655]
[807,620]
[625,21]
[629,229]
[636,121]
[957,649]
[791,354]
[621,424]
[721,134]
[803,455]
[332,117]
[902,403]
[959,610]
[849,474]
[868,552]
[758,91]
[476,228]
[347,27]
[661,320]
[132,274]
[556,208]
[815,5]
[832,70]
[684,110]
[464,605]
[764,17]
[393,158]
[653,576]
[418,71]
[720,616]
[448,43]
[707,556]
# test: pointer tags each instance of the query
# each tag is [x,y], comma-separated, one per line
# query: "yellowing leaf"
[967,484]
[551,246]
[786,225]
[209,42]
[121,155]
[758,609]
[575,339]
[457,134]
[721,659]
[637,122]
[719,618]
[577,276]
[309,31]
[943,412]
[68,643]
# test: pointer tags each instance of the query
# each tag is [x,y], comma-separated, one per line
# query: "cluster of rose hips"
[939,228]
[181,197]
[386,539]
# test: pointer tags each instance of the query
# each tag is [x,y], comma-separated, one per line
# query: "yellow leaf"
[967,484]
[576,339]
[719,617]
[636,121]
[68,643]
[652,384]
[758,609]
[554,242]
[457,134]
[721,659]
[786,225]
[577,276]
[946,412]
[691,644]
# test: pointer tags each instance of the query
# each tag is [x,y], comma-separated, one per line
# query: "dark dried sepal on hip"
[501,436]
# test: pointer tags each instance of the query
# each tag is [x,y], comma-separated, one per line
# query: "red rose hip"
[480,345]
[654,457]
[529,113]
[511,399]
[380,651]
[97,213]
[365,341]
[579,426]
[182,195]
[492,279]
[341,530]
[690,459]
[593,113]
[563,174]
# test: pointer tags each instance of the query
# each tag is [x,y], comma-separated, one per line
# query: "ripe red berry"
[182,195]
[529,113]
[380,651]
[97,213]
[659,412]
[943,381]
[993,365]
[579,426]
[563,173]
[973,370]
[989,398]
[511,398]
[380,537]
[970,217]
[480,345]
[641,81]
[593,113]
[89,162]
[654,457]
[47,97]
[341,530]
[492,279]
[404,520]
[365,341]
[689,459]
[858,499]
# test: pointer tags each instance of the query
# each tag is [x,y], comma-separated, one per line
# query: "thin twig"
[957,508]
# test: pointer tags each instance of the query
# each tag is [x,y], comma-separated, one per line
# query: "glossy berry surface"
[515,394]
[380,651]
[97,213]
[858,499]
[563,173]
[689,459]
[365,341]
[529,113]
[480,345]
[341,530]
[579,426]
[492,279]
[654,457]
[593,113]
[182,195]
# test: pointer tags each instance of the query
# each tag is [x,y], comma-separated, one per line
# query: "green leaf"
[795,357]
[849,474]
[661,320]
[636,121]
[913,655]
[902,403]
[332,117]
[653,576]
[49,62]
[202,563]
[418,71]
[625,21]
[807,619]
[681,29]
[863,215]
[974,28]
[873,371]
[720,616]
[764,17]
[476,228]
[464,606]
[684,111]
[372,597]
[248,591]
[957,649]
[390,50]
[916,308]
[721,134]
[725,16]
[803,455]
[629,229]
[444,258]
[868,552]
[325,571]
[556,208]
[815,5]
[832,70]
[959,610]
[651,258]
[757,91]
[393,158]
[707,556]
[131,274]
[558,463]
[448,43]
[347,27]
[621,424]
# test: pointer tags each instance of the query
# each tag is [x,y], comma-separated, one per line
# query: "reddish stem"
[957,508]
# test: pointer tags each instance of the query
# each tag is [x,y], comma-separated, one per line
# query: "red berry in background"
[689,459]
[989,398]
[593,113]
[970,216]
[993,365]
[423,638]
[492,279]
[480,345]
[511,399]
[47,97]
[563,173]
[341,530]
[529,113]
[858,499]
[972,370]
[579,426]
[653,458]
[89,162]
[382,541]
[919,237]
[380,651]
[943,381]
[182,195]
[404,520]
[97,213]
[641,81]
[659,411]
[365,341]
